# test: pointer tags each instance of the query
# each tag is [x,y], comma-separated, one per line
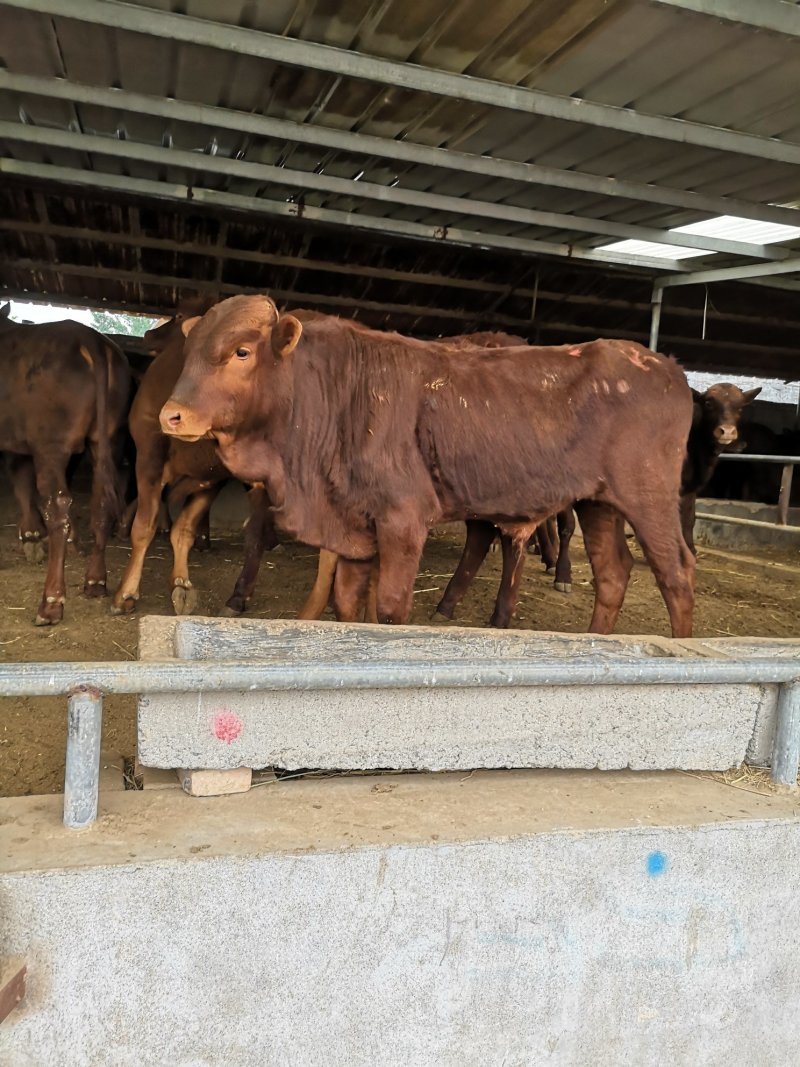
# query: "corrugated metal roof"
[649,58]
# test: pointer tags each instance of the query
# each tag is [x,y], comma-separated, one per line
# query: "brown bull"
[63,388]
[364,441]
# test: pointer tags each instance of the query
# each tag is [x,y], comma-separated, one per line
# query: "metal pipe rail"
[788,463]
[86,683]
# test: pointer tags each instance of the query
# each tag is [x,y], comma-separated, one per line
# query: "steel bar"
[775,15]
[655,318]
[785,494]
[786,750]
[348,64]
[32,679]
[256,205]
[82,777]
[744,272]
[744,456]
[361,144]
[451,206]
[733,520]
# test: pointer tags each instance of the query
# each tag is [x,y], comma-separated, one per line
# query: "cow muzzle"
[726,434]
[178,421]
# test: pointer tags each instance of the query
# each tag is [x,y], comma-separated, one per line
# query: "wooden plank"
[13,974]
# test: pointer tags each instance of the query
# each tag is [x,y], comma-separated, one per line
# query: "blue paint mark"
[656,864]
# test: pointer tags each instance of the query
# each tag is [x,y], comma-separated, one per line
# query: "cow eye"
[242,353]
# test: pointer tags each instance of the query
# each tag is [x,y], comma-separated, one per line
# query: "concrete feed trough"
[650,727]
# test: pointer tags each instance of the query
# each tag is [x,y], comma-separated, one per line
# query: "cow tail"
[105,469]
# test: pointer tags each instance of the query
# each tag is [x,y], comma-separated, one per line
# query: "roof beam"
[304,180]
[228,254]
[361,144]
[343,63]
[135,277]
[743,273]
[775,15]
[252,205]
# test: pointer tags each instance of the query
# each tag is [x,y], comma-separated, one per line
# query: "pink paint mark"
[576,350]
[226,726]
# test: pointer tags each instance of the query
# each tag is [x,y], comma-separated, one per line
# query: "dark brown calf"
[63,388]
[364,441]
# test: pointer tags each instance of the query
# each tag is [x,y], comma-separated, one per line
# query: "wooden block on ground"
[112,772]
[201,783]
[13,973]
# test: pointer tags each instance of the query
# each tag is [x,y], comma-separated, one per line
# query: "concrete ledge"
[609,727]
[727,535]
[518,917]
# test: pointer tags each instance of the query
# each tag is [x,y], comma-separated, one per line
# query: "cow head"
[719,411]
[235,357]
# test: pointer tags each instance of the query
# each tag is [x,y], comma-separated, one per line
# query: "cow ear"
[286,335]
[5,311]
[750,395]
[189,324]
[697,397]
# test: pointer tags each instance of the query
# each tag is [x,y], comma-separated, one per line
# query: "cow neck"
[703,455]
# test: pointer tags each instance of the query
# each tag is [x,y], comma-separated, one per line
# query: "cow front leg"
[54,505]
[400,543]
[351,589]
[514,545]
[321,591]
[142,533]
[31,527]
[259,535]
[182,535]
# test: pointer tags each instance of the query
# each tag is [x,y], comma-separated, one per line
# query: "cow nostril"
[174,419]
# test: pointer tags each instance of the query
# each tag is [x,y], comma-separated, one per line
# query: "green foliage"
[130,325]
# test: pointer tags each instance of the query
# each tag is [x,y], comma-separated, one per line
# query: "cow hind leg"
[480,536]
[546,536]
[514,551]
[54,505]
[603,530]
[32,529]
[566,528]
[259,534]
[672,563]
[101,519]
[182,535]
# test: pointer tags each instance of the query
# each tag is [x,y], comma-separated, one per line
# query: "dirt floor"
[757,594]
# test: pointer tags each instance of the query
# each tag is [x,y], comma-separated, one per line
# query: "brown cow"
[63,388]
[365,440]
[194,475]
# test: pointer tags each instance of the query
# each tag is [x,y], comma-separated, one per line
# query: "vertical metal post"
[82,779]
[655,317]
[786,753]
[785,493]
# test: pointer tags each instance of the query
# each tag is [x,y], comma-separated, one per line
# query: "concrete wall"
[514,918]
[727,535]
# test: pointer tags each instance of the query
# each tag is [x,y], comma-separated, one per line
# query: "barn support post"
[655,316]
[785,494]
[82,778]
[786,753]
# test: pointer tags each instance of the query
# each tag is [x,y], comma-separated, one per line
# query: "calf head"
[190,307]
[719,410]
[235,368]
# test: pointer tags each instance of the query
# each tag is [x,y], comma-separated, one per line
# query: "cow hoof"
[34,551]
[49,615]
[95,589]
[563,587]
[202,544]
[184,600]
[443,612]
[550,570]
[124,606]
[229,611]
